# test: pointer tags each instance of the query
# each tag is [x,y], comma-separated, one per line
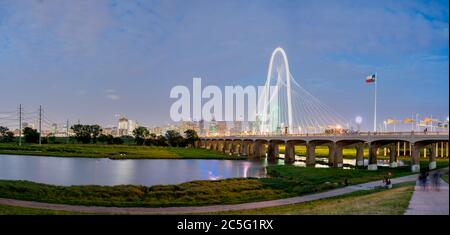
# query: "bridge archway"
[283,72]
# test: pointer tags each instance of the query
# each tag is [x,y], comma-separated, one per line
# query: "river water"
[104,171]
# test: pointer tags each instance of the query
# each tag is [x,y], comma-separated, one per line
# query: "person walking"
[423,180]
[436,180]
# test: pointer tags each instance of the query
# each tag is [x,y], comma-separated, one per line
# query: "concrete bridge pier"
[244,148]
[415,157]
[373,150]
[335,156]
[331,153]
[289,153]
[250,148]
[221,146]
[227,147]
[392,156]
[203,145]
[310,154]
[235,148]
[432,159]
[359,154]
[259,149]
[338,156]
[272,151]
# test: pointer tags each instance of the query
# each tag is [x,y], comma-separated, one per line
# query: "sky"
[94,60]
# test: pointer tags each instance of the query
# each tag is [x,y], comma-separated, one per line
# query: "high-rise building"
[126,126]
[212,128]
[54,128]
[132,124]
[201,127]
[188,125]
[123,126]
[155,130]
[237,128]
[222,128]
[107,131]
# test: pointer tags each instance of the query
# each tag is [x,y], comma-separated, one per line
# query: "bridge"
[258,146]
[291,117]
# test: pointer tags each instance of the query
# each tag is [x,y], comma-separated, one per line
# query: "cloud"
[113,97]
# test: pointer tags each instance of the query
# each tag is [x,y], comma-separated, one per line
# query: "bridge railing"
[408,133]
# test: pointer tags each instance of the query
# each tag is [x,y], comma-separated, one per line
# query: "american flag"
[370,78]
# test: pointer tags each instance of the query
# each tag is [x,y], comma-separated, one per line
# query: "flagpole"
[375,111]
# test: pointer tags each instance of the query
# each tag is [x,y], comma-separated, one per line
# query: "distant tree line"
[91,134]
[171,138]
[6,135]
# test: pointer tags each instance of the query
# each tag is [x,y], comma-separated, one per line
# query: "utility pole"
[40,125]
[67,130]
[20,124]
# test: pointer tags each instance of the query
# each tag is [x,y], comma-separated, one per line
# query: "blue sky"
[91,60]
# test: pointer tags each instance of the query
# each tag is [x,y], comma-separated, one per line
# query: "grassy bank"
[187,194]
[371,202]
[285,181]
[379,202]
[17,210]
[112,151]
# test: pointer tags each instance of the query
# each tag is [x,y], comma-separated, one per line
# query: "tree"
[82,133]
[191,136]
[161,141]
[52,139]
[6,135]
[105,139]
[174,138]
[30,135]
[117,140]
[140,134]
[3,130]
[95,130]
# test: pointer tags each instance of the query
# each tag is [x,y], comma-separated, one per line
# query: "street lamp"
[358,121]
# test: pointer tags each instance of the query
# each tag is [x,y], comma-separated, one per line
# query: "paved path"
[203,209]
[429,201]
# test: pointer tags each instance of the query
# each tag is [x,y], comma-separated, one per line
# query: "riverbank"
[112,151]
[284,182]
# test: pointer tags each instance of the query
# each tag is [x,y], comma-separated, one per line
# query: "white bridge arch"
[284,106]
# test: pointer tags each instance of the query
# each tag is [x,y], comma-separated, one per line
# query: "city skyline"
[108,58]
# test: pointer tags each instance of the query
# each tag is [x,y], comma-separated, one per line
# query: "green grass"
[112,151]
[285,181]
[227,191]
[298,181]
[370,202]
[17,210]
[380,201]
